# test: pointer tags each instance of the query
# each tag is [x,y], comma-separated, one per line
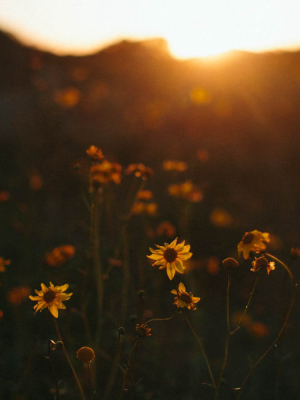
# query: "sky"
[193,28]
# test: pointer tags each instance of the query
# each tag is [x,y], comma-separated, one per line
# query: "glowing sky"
[193,28]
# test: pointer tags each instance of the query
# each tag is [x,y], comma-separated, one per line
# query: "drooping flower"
[170,256]
[230,263]
[184,299]
[94,153]
[253,241]
[262,262]
[51,298]
[143,330]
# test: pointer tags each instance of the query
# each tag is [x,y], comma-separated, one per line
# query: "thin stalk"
[69,361]
[128,369]
[92,381]
[113,371]
[247,306]
[283,325]
[94,239]
[162,319]
[53,368]
[201,348]
[227,337]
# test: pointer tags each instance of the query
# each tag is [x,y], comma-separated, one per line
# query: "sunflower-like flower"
[51,298]
[184,299]
[262,262]
[170,256]
[253,241]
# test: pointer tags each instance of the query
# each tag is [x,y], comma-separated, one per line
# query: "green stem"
[128,368]
[283,325]
[94,239]
[53,368]
[92,381]
[227,337]
[113,371]
[69,361]
[201,348]
[162,319]
[246,308]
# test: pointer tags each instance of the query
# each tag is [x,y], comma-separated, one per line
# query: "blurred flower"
[172,165]
[139,170]
[230,263]
[17,295]
[203,155]
[105,172]
[95,153]
[170,256]
[220,218]
[85,354]
[1,315]
[213,265]
[144,195]
[36,181]
[3,264]
[67,98]
[4,196]
[51,298]
[184,299]
[60,255]
[141,207]
[186,190]
[262,262]
[253,241]
[295,253]
[200,96]
[165,228]
[259,329]
[143,330]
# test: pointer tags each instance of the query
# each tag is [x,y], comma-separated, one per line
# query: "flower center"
[186,297]
[247,238]
[49,296]
[170,255]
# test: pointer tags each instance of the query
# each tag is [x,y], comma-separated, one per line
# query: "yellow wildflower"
[3,264]
[60,255]
[173,165]
[170,256]
[186,190]
[51,298]
[184,299]
[253,241]
[143,330]
[262,262]
[95,153]
[105,172]
[139,170]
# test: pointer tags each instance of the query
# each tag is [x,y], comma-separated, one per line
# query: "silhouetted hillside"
[139,104]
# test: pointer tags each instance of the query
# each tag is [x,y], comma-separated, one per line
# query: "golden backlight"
[193,28]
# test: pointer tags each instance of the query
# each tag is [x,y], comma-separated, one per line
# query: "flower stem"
[92,381]
[227,337]
[201,348]
[246,308]
[53,368]
[162,319]
[128,369]
[69,361]
[283,325]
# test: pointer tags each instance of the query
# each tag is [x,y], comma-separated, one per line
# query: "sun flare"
[192,29]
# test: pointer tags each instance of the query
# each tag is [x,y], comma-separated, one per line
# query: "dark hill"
[141,105]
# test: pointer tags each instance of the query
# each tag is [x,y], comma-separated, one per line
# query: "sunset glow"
[195,29]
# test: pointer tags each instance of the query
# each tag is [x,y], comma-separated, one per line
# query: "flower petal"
[53,309]
[181,287]
[170,271]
